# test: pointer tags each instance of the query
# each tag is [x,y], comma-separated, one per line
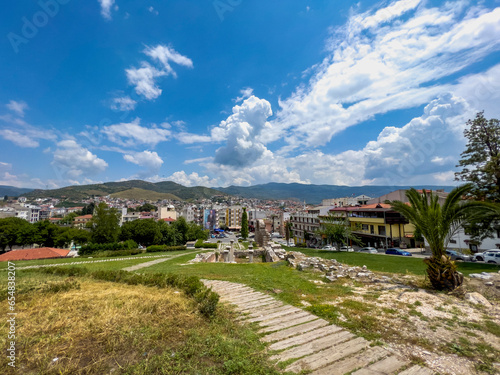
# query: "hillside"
[12,191]
[313,194]
[132,187]
[138,194]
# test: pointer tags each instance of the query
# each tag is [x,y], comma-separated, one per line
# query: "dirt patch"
[442,331]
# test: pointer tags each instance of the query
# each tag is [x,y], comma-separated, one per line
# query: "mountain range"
[138,189]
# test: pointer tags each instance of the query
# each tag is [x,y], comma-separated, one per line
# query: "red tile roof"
[168,219]
[30,254]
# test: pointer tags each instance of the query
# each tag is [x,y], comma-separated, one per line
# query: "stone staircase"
[307,342]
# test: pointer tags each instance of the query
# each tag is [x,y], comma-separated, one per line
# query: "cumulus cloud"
[125,103]
[106,6]
[193,179]
[17,107]
[243,132]
[373,70]
[73,160]
[151,161]
[131,134]
[144,80]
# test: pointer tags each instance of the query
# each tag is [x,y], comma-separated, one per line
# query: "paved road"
[307,342]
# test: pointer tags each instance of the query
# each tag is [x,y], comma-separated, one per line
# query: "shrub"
[201,244]
[116,253]
[158,248]
[92,248]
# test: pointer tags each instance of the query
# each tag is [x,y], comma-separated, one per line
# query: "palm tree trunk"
[443,274]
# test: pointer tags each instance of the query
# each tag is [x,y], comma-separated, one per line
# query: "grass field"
[171,334]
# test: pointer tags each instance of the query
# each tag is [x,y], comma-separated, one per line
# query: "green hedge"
[201,244]
[94,247]
[158,248]
[116,253]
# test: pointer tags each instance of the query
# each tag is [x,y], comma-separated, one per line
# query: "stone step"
[254,304]
[360,359]
[301,328]
[281,313]
[417,370]
[280,326]
[266,311]
[303,338]
[290,317]
[314,346]
[263,309]
[384,367]
[325,357]
[251,298]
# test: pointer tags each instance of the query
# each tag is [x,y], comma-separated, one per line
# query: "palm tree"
[438,224]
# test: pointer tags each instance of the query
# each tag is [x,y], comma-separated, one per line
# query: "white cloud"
[147,159]
[190,138]
[73,160]
[153,10]
[106,6]
[125,103]
[19,139]
[144,80]
[245,94]
[17,107]
[244,132]
[370,72]
[192,179]
[165,55]
[131,134]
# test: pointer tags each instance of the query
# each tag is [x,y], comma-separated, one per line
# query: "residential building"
[378,225]
[360,200]
[81,221]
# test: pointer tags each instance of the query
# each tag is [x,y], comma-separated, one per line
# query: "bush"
[201,244]
[300,245]
[158,248]
[91,248]
[116,253]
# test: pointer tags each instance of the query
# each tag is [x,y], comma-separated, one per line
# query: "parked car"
[481,256]
[347,248]
[397,251]
[492,257]
[369,250]
[455,255]
[329,247]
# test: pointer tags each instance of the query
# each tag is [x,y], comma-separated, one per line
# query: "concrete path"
[307,342]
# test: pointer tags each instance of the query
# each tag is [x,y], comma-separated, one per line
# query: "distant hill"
[12,191]
[314,194]
[138,194]
[127,189]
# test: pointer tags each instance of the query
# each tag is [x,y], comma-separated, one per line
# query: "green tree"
[145,232]
[244,224]
[10,230]
[89,209]
[6,198]
[182,227]
[335,230]
[438,224]
[196,232]
[46,233]
[105,224]
[480,162]
[69,219]
[68,235]
[170,235]
[288,231]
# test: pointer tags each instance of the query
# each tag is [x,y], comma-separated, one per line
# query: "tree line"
[103,228]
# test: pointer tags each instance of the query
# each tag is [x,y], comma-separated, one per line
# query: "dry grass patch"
[100,327]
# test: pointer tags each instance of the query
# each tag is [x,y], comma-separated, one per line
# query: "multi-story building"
[188,213]
[81,221]
[378,225]
[233,217]
[360,200]
[304,225]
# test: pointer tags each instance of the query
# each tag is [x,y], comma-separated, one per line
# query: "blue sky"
[239,92]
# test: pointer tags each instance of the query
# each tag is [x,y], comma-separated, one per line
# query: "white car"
[329,247]
[492,257]
[347,248]
[369,250]
[481,256]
